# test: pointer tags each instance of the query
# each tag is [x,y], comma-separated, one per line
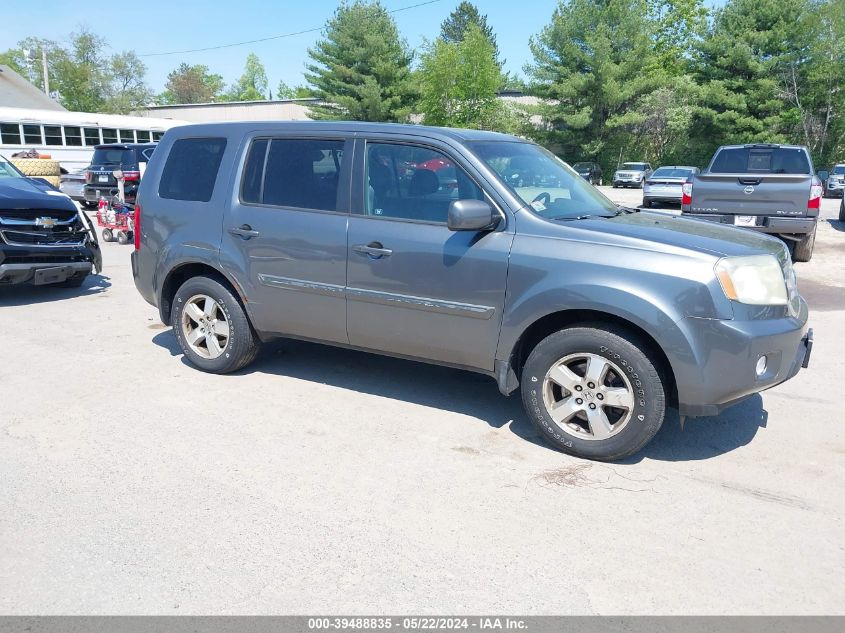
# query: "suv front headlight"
[755,280]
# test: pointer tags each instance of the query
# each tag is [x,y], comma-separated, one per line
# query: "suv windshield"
[762,160]
[113,156]
[839,170]
[542,181]
[634,166]
[671,172]
[582,166]
[7,170]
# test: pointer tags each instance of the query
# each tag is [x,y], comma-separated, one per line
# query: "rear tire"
[122,237]
[108,236]
[802,251]
[240,346]
[623,374]
[842,210]
[646,203]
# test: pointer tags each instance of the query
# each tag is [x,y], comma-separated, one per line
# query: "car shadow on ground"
[837,225]
[478,396]
[21,295]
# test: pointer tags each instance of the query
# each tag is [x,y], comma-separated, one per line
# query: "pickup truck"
[765,187]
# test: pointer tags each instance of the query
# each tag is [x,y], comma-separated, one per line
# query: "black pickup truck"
[765,187]
[44,238]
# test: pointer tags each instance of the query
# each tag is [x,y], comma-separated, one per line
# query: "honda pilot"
[470,249]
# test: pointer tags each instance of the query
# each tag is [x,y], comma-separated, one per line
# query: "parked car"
[130,158]
[632,175]
[666,185]
[601,315]
[591,172]
[764,187]
[834,184]
[44,239]
[72,185]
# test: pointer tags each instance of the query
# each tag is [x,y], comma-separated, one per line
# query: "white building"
[280,110]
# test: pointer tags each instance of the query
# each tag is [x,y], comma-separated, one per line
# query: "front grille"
[27,227]
[43,259]
[12,216]
[63,236]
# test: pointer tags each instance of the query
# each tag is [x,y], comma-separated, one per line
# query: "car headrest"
[379,176]
[424,182]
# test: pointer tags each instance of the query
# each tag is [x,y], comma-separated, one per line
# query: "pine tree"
[361,68]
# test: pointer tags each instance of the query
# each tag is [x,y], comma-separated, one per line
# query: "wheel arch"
[180,273]
[558,320]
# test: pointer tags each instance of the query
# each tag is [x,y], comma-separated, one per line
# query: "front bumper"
[627,183]
[835,189]
[765,224]
[45,265]
[727,355]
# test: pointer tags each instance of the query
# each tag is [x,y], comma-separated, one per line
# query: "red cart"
[117,221]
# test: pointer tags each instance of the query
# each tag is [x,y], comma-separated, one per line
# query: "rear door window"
[191,169]
[761,160]
[296,173]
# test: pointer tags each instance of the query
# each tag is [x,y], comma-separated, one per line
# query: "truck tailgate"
[747,194]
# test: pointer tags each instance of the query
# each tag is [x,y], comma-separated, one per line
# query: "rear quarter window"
[191,169]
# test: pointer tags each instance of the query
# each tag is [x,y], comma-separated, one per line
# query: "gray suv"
[469,249]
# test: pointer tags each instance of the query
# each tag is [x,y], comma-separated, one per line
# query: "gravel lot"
[323,480]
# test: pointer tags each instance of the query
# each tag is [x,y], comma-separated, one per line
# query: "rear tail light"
[131,175]
[89,177]
[815,201]
[136,228]
[686,193]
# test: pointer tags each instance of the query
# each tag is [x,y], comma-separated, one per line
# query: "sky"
[157,26]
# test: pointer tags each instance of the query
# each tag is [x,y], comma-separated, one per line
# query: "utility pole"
[44,68]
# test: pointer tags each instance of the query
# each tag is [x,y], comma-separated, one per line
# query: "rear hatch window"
[761,160]
[113,156]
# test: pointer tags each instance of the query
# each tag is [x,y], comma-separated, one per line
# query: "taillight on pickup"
[686,193]
[815,201]
[136,228]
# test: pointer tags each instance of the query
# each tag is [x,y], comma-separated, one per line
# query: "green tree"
[813,85]
[127,90]
[591,64]
[466,14]
[679,26]
[740,65]
[191,84]
[658,122]
[360,69]
[285,91]
[458,81]
[81,76]
[253,84]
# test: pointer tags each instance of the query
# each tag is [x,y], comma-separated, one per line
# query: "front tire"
[108,236]
[592,392]
[802,251]
[842,210]
[211,327]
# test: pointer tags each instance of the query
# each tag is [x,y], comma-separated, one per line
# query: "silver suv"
[470,249]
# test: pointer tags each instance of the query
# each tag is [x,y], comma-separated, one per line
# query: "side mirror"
[472,215]
[823,174]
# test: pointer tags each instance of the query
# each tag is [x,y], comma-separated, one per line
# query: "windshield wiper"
[580,217]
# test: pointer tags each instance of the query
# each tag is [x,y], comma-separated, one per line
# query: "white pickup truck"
[765,187]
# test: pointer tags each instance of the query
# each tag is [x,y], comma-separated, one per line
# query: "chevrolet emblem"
[47,223]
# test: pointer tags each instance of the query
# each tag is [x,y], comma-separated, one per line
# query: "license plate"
[50,276]
[103,179]
[745,220]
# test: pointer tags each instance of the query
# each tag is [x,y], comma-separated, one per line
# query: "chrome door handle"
[373,249]
[245,231]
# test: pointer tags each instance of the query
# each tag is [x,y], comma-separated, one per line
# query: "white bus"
[70,137]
